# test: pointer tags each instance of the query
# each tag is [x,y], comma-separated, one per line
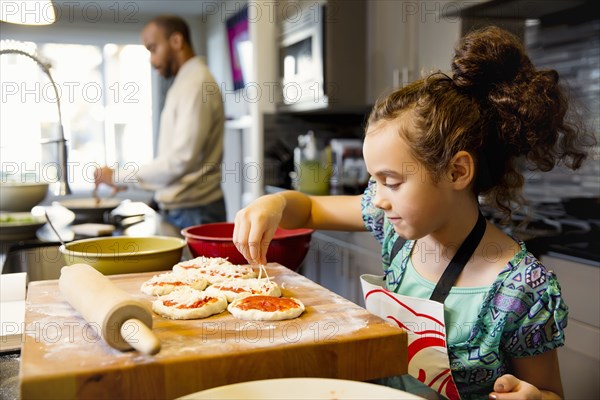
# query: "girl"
[434,150]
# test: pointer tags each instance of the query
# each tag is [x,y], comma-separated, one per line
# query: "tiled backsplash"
[282,131]
[574,51]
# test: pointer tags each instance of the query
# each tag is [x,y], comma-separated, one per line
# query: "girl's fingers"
[240,239]
[265,243]
[254,243]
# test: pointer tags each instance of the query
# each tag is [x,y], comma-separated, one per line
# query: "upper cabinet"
[406,39]
[342,55]
[564,12]
[322,55]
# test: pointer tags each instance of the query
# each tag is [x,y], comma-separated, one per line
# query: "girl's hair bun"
[487,58]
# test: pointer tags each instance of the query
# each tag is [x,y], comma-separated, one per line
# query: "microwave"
[322,56]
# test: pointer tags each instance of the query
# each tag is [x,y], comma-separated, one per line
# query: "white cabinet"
[406,38]
[337,259]
[238,170]
[580,356]
[231,170]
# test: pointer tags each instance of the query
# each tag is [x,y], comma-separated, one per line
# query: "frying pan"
[90,209]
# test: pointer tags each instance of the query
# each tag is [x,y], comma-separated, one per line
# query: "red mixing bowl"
[288,246]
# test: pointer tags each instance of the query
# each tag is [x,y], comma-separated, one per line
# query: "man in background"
[186,173]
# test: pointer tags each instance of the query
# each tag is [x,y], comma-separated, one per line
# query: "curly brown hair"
[498,107]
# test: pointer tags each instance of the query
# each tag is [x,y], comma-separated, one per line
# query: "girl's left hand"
[509,387]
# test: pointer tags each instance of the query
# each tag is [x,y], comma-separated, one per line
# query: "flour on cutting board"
[226,335]
[64,333]
[52,309]
[64,337]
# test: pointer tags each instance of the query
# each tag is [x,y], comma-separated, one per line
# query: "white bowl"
[15,196]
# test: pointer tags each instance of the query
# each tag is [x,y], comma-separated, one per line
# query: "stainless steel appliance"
[348,170]
[322,55]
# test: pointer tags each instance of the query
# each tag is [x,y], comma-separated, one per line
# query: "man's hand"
[105,175]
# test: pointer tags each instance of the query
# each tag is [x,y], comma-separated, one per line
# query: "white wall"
[74,25]
[252,102]
[217,54]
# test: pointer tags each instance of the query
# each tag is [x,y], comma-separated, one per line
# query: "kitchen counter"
[154,224]
[577,247]
[28,255]
[42,260]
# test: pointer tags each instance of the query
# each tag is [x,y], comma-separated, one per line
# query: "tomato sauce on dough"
[266,303]
[167,283]
[197,304]
[237,290]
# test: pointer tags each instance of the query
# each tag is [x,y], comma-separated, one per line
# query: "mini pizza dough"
[228,272]
[165,283]
[201,263]
[188,303]
[266,308]
[237,288]
[215,270]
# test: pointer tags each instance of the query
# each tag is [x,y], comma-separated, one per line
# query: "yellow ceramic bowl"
[124,254]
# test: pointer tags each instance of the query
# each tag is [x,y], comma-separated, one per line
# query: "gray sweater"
[187,169]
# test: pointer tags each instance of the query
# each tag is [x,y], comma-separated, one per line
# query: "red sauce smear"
[197,304]
[168,283]
[220,273]
[266,303]
[237,289]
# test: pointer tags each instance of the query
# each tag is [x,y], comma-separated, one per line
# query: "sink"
[41,261]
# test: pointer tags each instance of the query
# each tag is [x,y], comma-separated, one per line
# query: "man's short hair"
[173,24]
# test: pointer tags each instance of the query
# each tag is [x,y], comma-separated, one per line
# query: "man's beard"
[168,72]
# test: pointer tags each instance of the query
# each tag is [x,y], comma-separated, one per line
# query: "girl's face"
[413,202]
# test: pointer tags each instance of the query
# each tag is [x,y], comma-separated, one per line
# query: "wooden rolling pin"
[125,323]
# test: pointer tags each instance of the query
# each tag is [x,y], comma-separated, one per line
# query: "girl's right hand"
[255,226]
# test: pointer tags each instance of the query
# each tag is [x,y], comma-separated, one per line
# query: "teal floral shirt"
[522,315]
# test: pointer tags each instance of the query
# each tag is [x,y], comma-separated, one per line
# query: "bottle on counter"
[311,166]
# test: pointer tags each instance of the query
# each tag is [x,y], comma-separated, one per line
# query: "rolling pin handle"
[140,337]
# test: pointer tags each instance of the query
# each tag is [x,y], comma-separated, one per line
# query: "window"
[105,100]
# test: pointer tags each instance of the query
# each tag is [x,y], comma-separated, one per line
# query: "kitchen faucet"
[63,188]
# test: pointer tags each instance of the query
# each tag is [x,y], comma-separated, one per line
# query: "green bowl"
[124,254]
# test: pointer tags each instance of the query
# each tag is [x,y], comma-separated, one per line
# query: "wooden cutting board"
[62,356]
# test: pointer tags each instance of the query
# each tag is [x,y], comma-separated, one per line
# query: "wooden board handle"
[140,337]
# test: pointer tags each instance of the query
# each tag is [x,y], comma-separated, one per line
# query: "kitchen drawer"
[579,283]
[337,259]
[580,356]
[580,361]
